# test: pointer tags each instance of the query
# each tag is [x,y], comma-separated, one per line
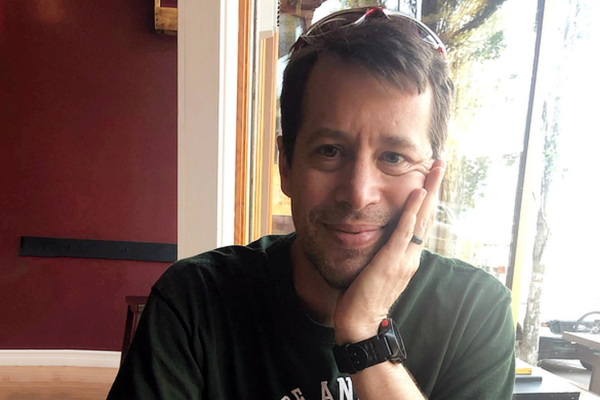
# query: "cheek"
[307,197]
[403,186]
[314,200]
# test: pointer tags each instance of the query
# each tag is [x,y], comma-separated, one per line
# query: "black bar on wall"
[105,249]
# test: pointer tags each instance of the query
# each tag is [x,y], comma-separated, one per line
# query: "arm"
[366,303]
[482,368]
[162,360]
[386,381]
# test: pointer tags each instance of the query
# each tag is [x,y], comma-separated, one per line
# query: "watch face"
[359,357]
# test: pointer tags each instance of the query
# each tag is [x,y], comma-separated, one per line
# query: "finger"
[435,176]
[429,225]
[427,210]
[404,231]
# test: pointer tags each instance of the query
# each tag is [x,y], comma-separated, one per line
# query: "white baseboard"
[60,358]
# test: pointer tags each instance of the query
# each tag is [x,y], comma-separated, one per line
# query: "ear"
[284,170]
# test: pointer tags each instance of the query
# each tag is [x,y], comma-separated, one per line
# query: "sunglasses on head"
[357,16]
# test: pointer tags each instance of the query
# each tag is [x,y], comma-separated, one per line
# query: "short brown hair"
[386,47]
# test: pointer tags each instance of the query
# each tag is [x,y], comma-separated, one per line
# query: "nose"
[359,184]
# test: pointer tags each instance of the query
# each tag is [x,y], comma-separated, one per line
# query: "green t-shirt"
[227,324]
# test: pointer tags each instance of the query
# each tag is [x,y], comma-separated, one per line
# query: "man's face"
[363,147]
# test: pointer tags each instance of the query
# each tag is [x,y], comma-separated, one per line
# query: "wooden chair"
[135,307]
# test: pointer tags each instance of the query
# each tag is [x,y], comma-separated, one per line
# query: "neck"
[317,298]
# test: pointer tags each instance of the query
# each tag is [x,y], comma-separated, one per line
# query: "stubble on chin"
[338,267]
[338,274]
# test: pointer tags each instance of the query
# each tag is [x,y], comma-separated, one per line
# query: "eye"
[328,150]
[393,163]
[328,157]
[392,158]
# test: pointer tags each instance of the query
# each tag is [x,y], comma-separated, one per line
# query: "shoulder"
[457,291]
[465,307]
[457,276]
[459,319]
[222,270]
[223,258]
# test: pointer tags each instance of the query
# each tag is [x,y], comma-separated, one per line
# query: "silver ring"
[416,239]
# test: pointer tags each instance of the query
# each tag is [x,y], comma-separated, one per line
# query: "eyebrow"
[326,133]
[400,141]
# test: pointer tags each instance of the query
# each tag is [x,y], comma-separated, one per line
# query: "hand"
[362,307]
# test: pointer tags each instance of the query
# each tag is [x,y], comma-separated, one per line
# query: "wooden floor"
[71,383]
[55,383]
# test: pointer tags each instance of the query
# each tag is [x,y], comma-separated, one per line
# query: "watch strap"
[387,345]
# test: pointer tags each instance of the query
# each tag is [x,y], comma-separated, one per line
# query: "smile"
[354,236]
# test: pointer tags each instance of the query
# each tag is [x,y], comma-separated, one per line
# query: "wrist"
[353,334]
[386,345]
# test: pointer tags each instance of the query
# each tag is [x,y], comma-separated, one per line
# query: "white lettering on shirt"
[325,392]
[345,385]
[297,394]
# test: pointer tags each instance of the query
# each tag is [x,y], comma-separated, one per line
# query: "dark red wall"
[88,122]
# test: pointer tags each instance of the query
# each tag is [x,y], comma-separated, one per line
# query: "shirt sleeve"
[164,360]
[485,368]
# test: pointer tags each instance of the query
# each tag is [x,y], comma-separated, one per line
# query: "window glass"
[570,125]
[492,71]
[560,278]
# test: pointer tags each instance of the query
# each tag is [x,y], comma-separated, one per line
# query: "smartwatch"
[386,346]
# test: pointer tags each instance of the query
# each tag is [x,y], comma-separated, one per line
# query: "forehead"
[350,99]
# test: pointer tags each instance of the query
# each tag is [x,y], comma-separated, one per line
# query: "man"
[350,306]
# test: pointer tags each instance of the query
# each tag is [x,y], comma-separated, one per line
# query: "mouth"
[355,236]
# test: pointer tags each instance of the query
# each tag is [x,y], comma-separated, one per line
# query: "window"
[560,277]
